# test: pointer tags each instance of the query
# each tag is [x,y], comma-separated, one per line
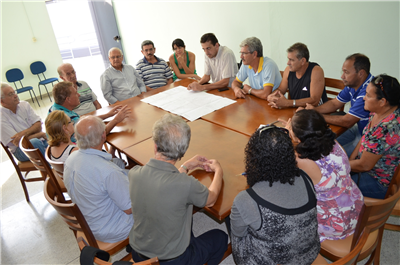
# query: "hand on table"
[195,86]
[239,93]
[277,100]
[197,161]
[123,112]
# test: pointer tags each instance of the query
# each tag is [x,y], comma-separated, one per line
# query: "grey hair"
[147,42]
[115,49]
[4,85]
[93,137]
[254,44]
[171,134]
[59,69]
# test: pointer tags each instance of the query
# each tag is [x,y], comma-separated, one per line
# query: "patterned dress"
[383,139]
[339,198]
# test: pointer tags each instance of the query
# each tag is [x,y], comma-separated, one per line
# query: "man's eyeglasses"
[116,57]
[265,128]
[244,53]
[379,81]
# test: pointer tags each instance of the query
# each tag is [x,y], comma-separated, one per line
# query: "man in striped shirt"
[153,70]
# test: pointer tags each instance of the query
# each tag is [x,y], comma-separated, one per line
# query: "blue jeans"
[369,186]
[207,248]
[349,139]
[37,143]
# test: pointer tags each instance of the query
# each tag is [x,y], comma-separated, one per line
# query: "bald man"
[97,185]
[87,98]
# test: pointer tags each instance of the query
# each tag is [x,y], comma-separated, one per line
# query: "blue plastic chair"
[14,75]
[38,68]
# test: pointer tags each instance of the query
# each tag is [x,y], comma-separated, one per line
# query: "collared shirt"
[120,85]
[164,231]
[356,98]
[13,123]
[267,74]
[222,66]
[73,115]
[154,75]
[101,192]
[86,98]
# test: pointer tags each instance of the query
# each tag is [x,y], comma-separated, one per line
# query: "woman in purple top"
[323,159]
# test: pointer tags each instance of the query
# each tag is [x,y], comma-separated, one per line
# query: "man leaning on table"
[87,98]
[356,77]
[220,65]
[97,185]
[154,71]
[120,81]
[305,81]
[66,98]
[163,196]
[263,73]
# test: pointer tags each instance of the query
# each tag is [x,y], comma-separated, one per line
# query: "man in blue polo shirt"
[153,70]
[66,98]
[263,73]
[356,77]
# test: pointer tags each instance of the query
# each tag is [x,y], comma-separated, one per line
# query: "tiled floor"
[33,233]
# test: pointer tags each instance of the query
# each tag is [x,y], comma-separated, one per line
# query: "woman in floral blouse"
[377,154]
[339,201]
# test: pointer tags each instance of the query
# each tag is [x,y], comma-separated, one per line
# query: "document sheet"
[186,103]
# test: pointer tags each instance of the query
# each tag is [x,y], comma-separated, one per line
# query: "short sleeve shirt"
[13,123]
[267,74]
[86,98]
[154,75]
[357,102]
[222,66]
[383,139]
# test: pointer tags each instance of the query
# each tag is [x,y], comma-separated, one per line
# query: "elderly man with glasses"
[19,119]
[120,81]
[263,73]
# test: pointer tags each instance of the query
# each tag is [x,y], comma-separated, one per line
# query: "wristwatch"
[249,92]
[294,103]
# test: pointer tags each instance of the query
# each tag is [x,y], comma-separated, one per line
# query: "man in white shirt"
[87,98]
[220,65]
[19,119]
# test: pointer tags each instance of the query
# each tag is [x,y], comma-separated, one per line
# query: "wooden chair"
[394,184]
[36,157]
[72,216]
[100,260]
[373,215]
[23,167]
[58,167]
[350,258]
[333,88]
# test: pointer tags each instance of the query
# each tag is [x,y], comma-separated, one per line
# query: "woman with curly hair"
[323,159]
[275,220]
[59,129]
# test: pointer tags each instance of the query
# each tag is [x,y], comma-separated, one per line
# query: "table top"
[249,113]
[211,141]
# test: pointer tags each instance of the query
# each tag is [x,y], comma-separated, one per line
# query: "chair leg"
[35,97]
[48,92]
[24,187]
[40,93]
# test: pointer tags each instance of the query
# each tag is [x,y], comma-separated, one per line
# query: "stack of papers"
[188,104]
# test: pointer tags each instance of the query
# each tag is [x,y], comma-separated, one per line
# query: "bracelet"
[249,92]
[184,167]
[294,103]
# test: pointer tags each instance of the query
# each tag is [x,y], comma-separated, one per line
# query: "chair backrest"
[57,166]
[37,67]
[82,244]
[333,87]
[36,157]
[375,214]
[352,257]
[14,75]
[70,213]
[394,183]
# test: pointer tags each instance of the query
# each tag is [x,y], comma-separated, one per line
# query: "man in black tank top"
[304,80]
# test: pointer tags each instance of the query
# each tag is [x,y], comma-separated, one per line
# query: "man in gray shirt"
[120,81]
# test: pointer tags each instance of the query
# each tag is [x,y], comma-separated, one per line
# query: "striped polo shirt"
[154,75]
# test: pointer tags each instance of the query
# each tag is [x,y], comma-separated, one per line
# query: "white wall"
[20,22]
[331,30]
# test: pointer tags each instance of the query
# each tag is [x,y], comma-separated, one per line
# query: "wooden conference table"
[222,135]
